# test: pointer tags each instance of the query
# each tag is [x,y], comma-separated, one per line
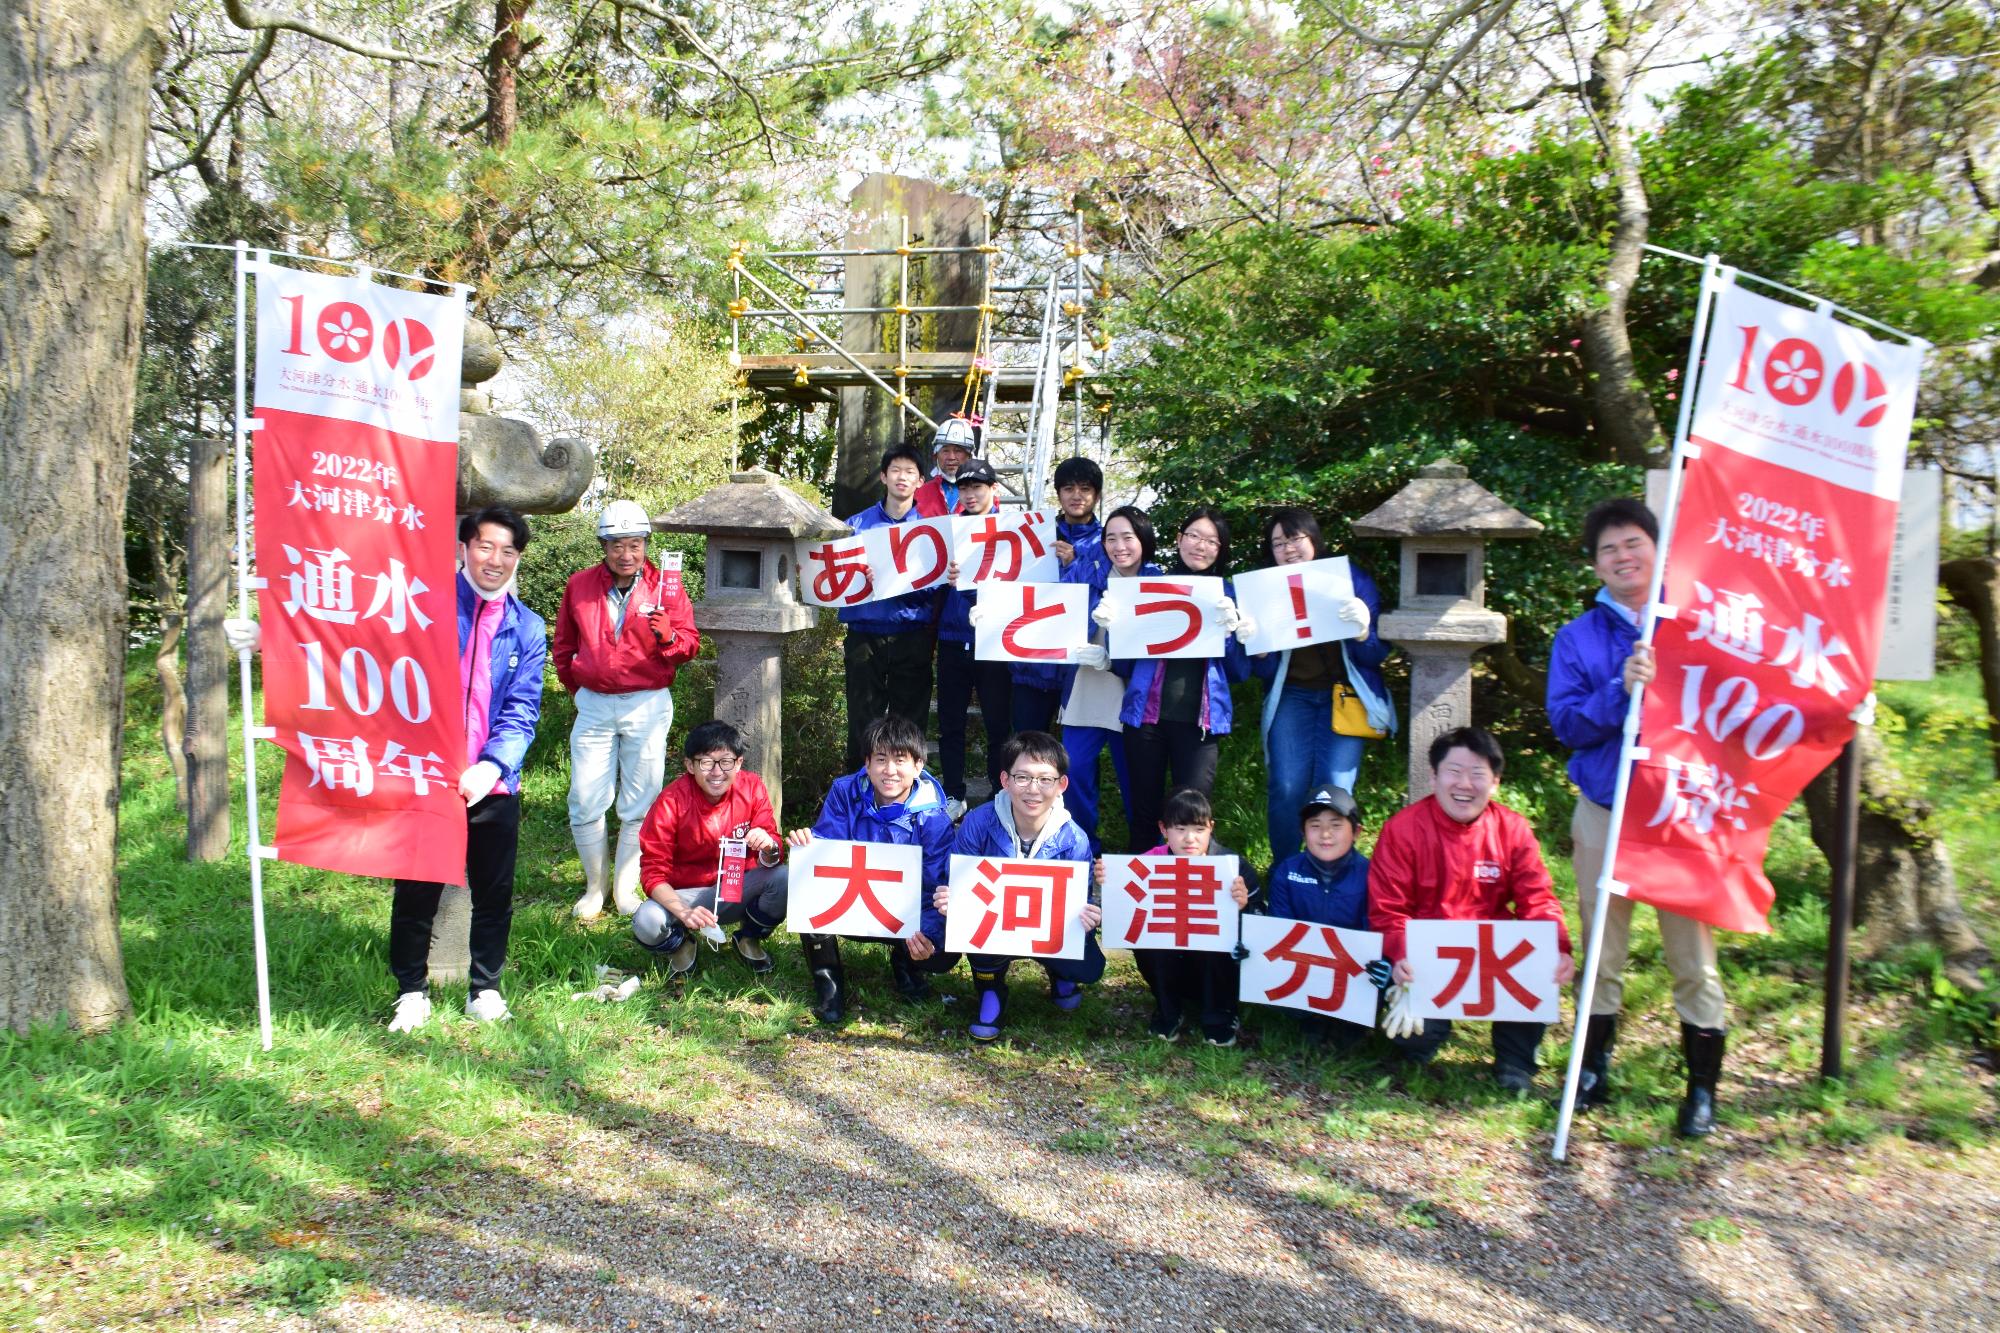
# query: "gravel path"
[931,1192]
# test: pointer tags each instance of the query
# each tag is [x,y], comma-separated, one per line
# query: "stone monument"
[1443,520]
[754,526]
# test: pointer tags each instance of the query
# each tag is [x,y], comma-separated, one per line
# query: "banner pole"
[1846,845]
[1712,278]
[243,610]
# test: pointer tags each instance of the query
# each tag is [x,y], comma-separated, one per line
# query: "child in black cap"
[1326,884]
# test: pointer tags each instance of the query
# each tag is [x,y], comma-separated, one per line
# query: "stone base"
[1440,701]
[451,935]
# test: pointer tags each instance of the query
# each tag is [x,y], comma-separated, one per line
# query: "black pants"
[1034,709]
[1514,1044]
[959,676]
[1191,985]
[492,832]
[1149,752]
[886,673]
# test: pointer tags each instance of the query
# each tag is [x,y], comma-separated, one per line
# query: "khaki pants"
[1689,945]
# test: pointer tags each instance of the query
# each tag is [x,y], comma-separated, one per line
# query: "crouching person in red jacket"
[711,825]
[1459,855]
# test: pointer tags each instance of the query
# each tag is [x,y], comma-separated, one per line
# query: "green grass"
[170,1168]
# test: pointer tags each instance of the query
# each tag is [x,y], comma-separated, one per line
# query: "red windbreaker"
[1427,866]
[681,841]
[930,503]
[588,655]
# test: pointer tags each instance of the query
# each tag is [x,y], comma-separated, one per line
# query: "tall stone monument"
[1443,520]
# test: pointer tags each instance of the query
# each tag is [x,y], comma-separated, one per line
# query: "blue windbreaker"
[1088,541]
[520,647]
[1587,698]
[1143,679]
[1327,893]
[891,615]
[850,814]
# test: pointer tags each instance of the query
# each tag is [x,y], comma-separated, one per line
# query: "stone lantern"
[753,525]
[1443,520]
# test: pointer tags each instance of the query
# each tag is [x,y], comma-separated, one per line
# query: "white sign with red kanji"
[1017,909]
[1170,902]
[909,557]
[1015,547]
[1297,605]
[1302,965]
[836,573]
[1485,971]
[869,889]
[1031,622]
[1166,617]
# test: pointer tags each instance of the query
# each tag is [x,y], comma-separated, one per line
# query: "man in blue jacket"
[888,647]
[1025,820]
[1595,664]
[893,800]
[1038,686]
[959,674]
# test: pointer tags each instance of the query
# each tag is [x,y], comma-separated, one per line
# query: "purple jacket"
[1143,680]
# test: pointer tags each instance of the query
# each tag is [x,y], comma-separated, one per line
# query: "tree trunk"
[1975,585]
[209,658]
[1905,891]
[167,660]
[75,90]
[1627,430]
[503,66]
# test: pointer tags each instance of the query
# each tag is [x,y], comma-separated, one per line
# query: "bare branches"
[259,50]
[685,28]
[252,18]
[1499,11]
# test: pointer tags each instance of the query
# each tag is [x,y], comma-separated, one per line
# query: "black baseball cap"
[1337,799]
[979,472]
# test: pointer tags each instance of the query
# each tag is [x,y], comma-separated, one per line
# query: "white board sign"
[1017,909]
[1170,902]
[1031,622]
[869,889]
[1161,617]
[1313,968]
[1484,971]
[1297,605]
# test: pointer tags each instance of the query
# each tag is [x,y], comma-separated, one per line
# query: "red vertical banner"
[1772,600]
[356,474]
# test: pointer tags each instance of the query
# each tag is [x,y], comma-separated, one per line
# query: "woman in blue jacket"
[1302,751]
[1176,710]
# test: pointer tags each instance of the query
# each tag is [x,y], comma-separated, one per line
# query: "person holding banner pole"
[502,646]
[890,800]
[1095,697]
[1596,663]
[1459,855]
[1176,710]
[623,630]
[959,673]
[1038,686]
[888,645]
[1307,699]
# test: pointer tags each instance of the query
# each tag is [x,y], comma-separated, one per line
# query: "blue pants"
[1084,745]
[1035,709]
[991,969]
[1302,751]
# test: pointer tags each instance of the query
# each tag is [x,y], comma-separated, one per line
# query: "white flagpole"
[244,587]
[1713,279]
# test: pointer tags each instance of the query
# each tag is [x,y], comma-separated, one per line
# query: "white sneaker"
[487,1007]
[590,906]
[413,1010]
[954,809]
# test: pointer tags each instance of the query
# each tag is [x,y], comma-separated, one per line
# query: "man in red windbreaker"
[1458,855]
[623,629]
[710,855]
[952,448]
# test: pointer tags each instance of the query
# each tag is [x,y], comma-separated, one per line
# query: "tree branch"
[251,18]
[259,50]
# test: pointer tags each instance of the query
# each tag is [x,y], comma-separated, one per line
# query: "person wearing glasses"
[1305,747]
[709,856]
[1175,711]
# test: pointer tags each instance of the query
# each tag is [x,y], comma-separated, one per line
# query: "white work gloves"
[1093,655]
[978,615]
[1399,1018]
[243,636]
[1106,614]
[1235,622]
[475,783]
[1355,612]
[1864,712]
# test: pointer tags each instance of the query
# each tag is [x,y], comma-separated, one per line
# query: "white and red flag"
[356,487]
[1771,606]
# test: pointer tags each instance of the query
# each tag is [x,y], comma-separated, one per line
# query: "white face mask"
[465,563]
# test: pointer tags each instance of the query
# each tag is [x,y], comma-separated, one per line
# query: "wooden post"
[209,658]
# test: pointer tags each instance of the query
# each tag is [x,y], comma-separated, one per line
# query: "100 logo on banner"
[345,331]
[361,683]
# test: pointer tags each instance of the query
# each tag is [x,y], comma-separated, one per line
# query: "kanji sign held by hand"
[1170,902]
[1296,605]
[1021,909]
[870,889]
[1485,971]
[1006,548]
[1301,965]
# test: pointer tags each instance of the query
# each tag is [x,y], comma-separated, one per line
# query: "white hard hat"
[955,430]
[623,518]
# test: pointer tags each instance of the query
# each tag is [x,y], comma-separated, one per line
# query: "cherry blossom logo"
[345,331]
[1793,372]
[1872,402]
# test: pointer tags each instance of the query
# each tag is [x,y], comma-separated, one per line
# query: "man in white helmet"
[955,445]
[623,629]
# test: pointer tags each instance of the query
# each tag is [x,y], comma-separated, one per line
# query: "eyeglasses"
[1205,543]
[718,765]
[1034,784]
[1290,543]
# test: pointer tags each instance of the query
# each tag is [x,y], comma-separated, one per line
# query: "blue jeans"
[1303,752]
[1084,745]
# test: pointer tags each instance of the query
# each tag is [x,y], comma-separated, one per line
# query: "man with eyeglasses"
[709,856]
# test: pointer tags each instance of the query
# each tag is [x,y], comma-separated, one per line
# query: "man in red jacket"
[951,449]
[623,629]
[1458,855]
[710,855]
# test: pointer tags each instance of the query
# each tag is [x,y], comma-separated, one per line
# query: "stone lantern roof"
[752,504]
[1443,501]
